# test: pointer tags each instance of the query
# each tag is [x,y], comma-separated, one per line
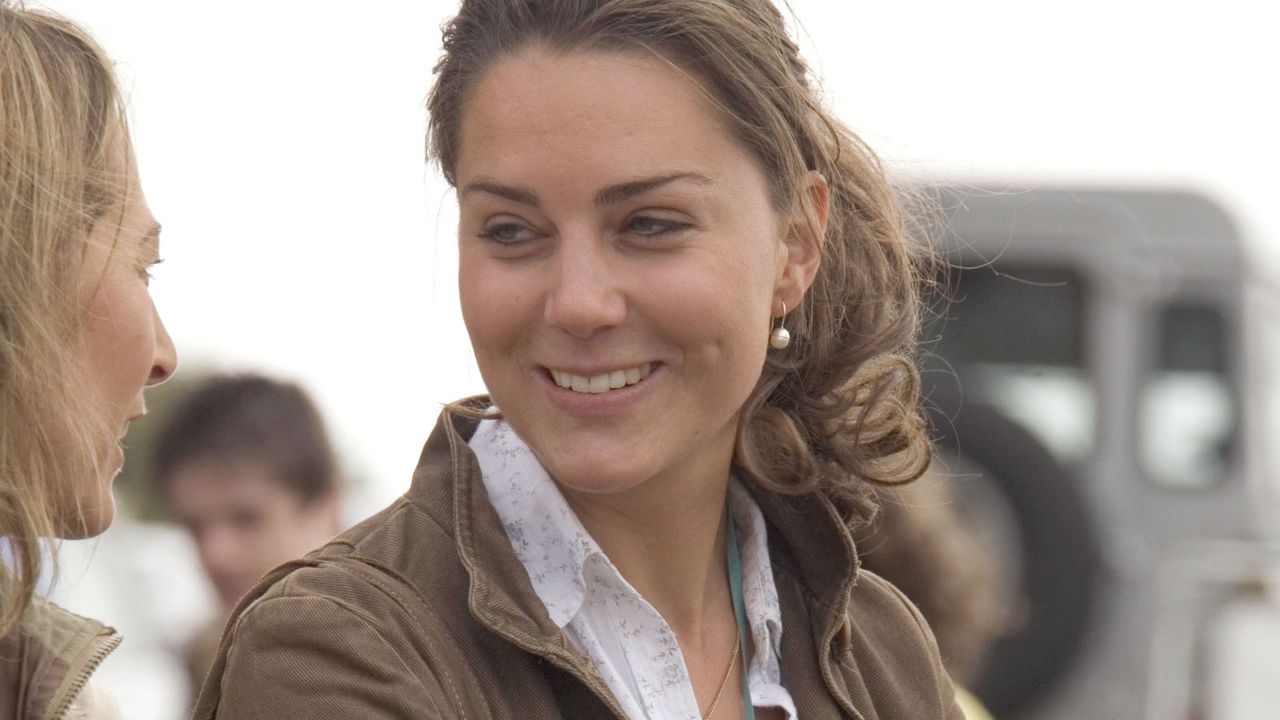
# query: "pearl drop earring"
[780,338]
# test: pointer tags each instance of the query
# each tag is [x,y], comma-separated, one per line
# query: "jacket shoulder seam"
[377,576]
[381,584]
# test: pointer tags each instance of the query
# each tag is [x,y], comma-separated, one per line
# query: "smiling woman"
[649,516]
[623,205]
[79,339]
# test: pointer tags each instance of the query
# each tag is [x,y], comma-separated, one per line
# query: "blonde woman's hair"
[838,408]
[61,125]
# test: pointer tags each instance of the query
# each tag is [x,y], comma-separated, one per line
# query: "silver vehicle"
[1100,390]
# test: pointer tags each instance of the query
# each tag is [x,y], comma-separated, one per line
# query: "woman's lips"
[602,382]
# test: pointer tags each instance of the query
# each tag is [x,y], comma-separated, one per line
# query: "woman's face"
[620,262]
[125,345]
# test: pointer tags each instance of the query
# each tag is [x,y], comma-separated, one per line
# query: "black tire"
[1059,553]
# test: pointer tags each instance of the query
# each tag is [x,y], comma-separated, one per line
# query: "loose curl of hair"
[839,406]
[61,122]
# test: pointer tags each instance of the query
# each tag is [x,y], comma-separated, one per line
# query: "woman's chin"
[587,483]
[597,473]
[90,523]
[89,517]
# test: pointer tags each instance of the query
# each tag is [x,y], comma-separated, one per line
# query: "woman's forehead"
[587,108]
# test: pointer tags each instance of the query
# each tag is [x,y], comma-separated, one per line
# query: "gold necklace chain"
[733,659]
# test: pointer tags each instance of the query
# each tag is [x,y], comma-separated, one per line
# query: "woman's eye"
[507,233]
[650,226]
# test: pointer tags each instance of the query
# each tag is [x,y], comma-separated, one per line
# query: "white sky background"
[281,145]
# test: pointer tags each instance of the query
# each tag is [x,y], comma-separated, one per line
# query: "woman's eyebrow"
[608,196]
[507,192]
[624,191]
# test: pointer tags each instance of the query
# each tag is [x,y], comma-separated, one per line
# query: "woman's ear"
[806,231]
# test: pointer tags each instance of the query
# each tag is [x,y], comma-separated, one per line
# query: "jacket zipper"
[98,650]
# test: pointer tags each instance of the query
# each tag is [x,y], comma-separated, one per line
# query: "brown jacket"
[46,662]
[424,611]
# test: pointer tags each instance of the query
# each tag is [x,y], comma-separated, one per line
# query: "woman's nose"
[586,294]
[165,358]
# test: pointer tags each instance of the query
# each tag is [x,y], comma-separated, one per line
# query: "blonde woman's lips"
[603,382]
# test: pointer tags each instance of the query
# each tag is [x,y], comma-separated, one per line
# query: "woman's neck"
[666,536]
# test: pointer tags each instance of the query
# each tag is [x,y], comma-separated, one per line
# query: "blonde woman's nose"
[165,358]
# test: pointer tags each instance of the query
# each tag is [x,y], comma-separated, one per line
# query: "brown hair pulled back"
[839,405]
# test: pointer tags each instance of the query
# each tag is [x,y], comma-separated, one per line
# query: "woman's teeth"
[601,383]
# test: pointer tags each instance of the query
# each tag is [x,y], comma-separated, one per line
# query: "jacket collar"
[811,542]
[48,658]
[813,538]
[807,531]
[448,486]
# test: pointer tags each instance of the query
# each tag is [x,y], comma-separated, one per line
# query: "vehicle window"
[1014,336]
[1187,416]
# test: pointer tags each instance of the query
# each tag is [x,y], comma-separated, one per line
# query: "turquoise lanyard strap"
[735,589]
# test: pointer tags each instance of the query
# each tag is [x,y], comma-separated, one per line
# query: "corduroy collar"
[806,531]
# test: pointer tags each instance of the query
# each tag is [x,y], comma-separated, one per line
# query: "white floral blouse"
[602,615]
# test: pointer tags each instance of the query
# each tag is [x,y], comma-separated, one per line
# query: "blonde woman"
[691,298]
[79,339]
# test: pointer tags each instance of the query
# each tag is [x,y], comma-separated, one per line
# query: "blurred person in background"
[245,464]
[693,302]
[79,340]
